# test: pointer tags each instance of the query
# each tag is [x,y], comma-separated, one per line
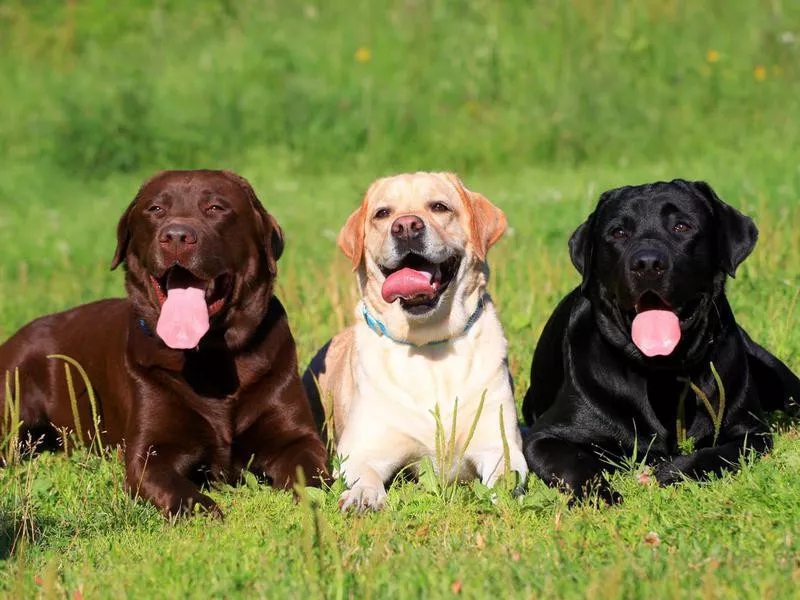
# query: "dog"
[195,372]
[644,359]
[427,336]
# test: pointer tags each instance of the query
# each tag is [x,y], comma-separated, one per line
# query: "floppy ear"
[124,225]
[487,222]
[736,233]
[351,236]
[578,243]
[123,235]
[581,249]
[271,232]
[277,241]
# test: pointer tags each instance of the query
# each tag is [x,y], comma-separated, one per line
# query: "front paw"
[197,504]
[608,495]
[674,470]
[308,464]
[668,473]
[594,492]
[362,499]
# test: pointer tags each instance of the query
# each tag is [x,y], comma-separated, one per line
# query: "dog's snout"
[648,263]
[178,233]
[407,227]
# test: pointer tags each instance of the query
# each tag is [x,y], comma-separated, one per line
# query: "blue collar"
[381,330]
[143,326]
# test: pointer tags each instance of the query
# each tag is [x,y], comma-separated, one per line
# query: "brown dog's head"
[200,253]
[419,244]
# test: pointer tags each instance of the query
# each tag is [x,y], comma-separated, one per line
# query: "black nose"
[648,263]
[178,233]
[408,227]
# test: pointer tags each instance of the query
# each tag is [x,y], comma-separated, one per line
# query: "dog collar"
[381,330]
[143,326]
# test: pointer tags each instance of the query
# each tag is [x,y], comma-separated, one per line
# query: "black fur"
[316,368]
[594,397]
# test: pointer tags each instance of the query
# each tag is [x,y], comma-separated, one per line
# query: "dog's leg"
[366,465]
[573,468]
[152,474]
[367,491]
[307,452]
[485,451]
[489,464]
[715,460]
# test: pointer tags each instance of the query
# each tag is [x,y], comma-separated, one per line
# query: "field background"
[540,106]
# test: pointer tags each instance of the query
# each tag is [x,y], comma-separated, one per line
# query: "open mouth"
[215,291]
[417,282]
[656,328]
[651,301]
[187,304]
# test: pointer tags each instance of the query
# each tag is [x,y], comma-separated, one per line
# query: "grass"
[75,528]
[321,86]
[541,106]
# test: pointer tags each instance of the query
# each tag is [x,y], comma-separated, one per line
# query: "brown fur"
[234,402]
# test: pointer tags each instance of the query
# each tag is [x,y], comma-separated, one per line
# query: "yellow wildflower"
[760,73]
[712,56]
[363,54]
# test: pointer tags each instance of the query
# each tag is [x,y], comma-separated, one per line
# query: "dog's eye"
[155,209]
[382,213]
[619,233]
[681,227]
[215,208]
[439,207]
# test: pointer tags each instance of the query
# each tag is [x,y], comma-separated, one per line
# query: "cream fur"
[384,392]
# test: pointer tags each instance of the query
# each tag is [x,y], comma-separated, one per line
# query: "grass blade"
[73,399]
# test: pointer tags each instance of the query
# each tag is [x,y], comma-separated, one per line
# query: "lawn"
[602,97]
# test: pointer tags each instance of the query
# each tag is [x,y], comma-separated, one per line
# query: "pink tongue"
[407,283]
[184,317]
[656,332]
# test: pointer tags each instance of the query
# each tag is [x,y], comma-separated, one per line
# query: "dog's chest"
[216,428]
[673,408]
[431,376]
[423,377]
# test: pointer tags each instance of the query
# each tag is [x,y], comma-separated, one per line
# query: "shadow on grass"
[15,531]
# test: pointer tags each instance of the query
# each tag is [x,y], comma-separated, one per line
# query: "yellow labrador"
[426,334]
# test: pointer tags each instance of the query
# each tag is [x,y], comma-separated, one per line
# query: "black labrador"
[644,359]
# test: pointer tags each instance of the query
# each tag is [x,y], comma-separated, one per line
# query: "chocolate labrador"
[196,371]
[645,359]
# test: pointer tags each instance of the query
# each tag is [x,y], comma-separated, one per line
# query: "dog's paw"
[595,492]
[362,499]
[668,473]
[609,495]
[198,504]
[674,470]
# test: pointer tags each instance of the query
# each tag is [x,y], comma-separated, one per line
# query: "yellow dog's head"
[419,243]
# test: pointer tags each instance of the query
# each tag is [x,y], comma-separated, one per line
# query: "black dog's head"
[653,259]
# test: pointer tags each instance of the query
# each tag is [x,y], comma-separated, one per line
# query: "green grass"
[739,535]
[463,84]
[540,106]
